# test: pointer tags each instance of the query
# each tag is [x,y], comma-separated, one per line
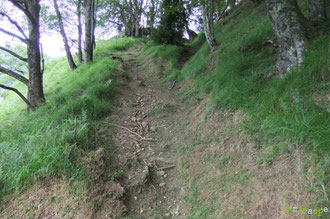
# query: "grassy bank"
[282,116]
[46,143]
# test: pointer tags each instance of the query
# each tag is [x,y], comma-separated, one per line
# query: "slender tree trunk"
[151,18]
[95,4]
[291,39]
[232,3]
[207,8]
[137,27]
[317,10]
[80,58]
[89,17]
[65,40]
[35,88]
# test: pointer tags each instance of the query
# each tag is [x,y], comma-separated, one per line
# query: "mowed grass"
[43,143]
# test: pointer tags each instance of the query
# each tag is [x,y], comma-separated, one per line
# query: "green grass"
[42,143]
[281,113]
[170,53]
[281,109]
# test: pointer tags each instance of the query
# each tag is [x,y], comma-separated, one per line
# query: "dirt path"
[144,142]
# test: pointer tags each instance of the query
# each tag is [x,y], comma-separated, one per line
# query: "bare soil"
[146,153]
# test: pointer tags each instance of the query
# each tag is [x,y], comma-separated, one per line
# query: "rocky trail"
[144,142]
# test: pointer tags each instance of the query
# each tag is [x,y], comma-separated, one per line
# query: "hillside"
[163,131]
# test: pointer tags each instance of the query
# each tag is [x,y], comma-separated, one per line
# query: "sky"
[52,44]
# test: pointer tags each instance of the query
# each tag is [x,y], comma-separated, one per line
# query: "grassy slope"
[282,111]
[39,144]
[283,116]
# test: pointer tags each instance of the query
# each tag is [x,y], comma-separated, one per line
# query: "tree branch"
[14,75]
[13,54]
[19,5]
[13,35]
[14,23]
[18,93]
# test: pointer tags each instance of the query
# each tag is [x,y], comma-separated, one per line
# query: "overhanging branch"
[20,5]
[13,54]
[18,93]
[13,35]
[14,75]
[14,23]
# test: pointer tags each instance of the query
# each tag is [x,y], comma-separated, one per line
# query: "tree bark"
[13,54]
[15,75]
[80,58]
[317,10]
[287,28]
[65,40]
[31,9]
[89,20]
[207,8]
[35,88]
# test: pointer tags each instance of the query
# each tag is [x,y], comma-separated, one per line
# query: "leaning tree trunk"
[89,32]
[317,10]
[207,9]
[80,58]
[232,3]
[35,87]
[291,39]
[65,40]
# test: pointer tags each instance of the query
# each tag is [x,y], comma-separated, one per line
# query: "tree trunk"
[152,15]
[317,10]
[207,9]
[80,58]
[95,4]
[65,40]
[35,88]
[89,20]
[232,3]
[287,28]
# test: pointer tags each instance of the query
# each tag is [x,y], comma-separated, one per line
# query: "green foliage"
[197,43]
[42,143]
[172,23]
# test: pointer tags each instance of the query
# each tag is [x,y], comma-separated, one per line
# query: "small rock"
[135,198]
[133,119]
[165,175]
[183,191]
[152,128]
[162,184]
[144,125]
[160,173]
